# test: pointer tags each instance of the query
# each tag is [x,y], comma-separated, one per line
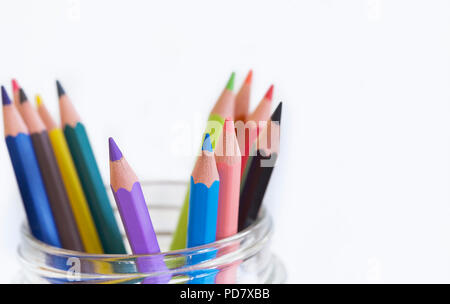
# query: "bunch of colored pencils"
[65,200]
[67,205]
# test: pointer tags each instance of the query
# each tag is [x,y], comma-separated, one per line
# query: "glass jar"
[242,258]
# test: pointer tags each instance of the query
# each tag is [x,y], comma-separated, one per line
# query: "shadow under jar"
[242,258]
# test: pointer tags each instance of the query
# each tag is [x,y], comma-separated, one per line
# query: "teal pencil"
[90,177]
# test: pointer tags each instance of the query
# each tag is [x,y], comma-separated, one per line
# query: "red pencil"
[255,122]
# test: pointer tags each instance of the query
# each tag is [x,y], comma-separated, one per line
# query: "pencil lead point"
[269,93]
[207,143]
[23,97]
[60,89]
[5,97]
[114,151]
[15,85]
[276,116]
[230,83]
[248,79]
[38,100]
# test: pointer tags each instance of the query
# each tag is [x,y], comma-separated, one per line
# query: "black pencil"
[259,170]
[59,201]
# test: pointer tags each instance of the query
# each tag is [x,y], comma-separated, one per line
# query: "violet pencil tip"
[5,97]
[114,151]
[207,146]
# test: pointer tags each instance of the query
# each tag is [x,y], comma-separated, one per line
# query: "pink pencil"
[228,160]
[255,122]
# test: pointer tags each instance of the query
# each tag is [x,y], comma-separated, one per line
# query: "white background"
[361,193]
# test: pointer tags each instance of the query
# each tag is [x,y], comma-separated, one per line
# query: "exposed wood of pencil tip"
[121,173]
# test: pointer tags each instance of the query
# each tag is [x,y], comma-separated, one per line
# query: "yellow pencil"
[78,202]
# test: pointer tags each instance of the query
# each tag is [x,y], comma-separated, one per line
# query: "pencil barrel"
[140,232]
[37,208]
[203,206]
[85,223]
[94,189]
[255,182]
[59,202]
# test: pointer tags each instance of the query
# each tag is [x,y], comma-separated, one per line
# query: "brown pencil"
[59,201]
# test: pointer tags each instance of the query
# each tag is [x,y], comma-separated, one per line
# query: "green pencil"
[224,108]
[90,177]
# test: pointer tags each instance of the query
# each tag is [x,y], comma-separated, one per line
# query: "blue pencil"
[28,176]
[203,205]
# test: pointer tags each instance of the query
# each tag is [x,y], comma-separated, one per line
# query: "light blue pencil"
[203,205]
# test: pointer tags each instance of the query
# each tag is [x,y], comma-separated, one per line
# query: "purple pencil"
[135,216]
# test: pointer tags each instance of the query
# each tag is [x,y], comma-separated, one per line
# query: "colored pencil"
[223,108]
[134,213]
[25,165]
[77,199]
[255,121]
[203,198]
[59,201]
[203,206]
[243,99]
[228,160]
[84,159]
[259,170]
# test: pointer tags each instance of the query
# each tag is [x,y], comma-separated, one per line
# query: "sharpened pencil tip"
[248,79]
[60,89]
[38,100]
[230,83]
[23,97]
[114,151]
[276,116]
[207,143]
[5,97]
[15,85]
[269,94]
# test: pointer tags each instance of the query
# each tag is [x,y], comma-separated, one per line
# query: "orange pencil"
[255,122]
[243,99]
